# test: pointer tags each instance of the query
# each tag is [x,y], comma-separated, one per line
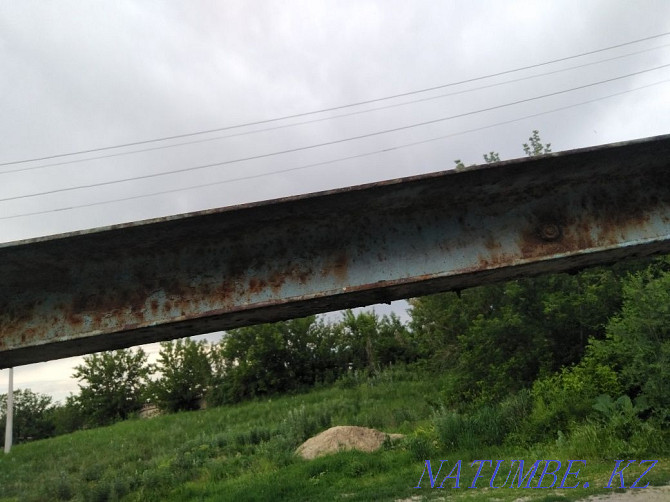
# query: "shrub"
[299,425]
[568,396]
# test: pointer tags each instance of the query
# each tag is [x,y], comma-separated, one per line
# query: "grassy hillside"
[245,452]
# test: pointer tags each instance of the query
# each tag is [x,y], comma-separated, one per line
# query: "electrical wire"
[334,108]
[295,124]
[332,161]
[327,143]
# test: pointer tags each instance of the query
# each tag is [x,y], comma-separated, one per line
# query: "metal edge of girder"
[620,151]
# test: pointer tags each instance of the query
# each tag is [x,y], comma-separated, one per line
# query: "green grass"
[245,452]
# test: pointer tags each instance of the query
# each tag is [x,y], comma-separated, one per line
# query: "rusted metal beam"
[196,273]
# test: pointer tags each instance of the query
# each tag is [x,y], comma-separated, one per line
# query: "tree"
[279,357]
[533,148]
[637,346]
[436,321]
[112,385]
[67,417]
[267,358]
[32,415]
[368,341]
[185,372]
[498,338]
[536,147]
[491,157]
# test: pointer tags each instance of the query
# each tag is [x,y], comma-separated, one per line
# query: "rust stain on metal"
[225,293]
[276,281]
[491,243]
[304,276]
[256,286]
[339,267]
[73,319]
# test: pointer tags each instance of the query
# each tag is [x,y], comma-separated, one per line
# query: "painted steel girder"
[213,270]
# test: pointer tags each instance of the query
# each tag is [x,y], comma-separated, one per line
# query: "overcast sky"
[77,76]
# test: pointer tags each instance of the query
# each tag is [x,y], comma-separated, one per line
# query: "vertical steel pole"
[10,412]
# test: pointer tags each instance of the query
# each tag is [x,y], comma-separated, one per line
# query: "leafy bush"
[637,346]
[497,339]
[299,424]
[568,396]
[615,431]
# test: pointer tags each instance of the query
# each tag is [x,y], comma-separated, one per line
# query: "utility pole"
[9,415]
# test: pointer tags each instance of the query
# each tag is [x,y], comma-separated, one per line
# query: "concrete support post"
[10,412]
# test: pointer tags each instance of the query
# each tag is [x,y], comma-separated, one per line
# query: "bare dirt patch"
[651,494]
[344,437]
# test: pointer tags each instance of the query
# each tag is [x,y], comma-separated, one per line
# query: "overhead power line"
[327,143]
[331,117]
[293,150]
[334,108]
[332,161]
